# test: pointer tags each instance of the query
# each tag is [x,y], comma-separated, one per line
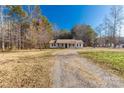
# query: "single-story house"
[120,45]
[66,43]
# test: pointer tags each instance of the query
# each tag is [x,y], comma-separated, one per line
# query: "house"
[66,43]
[122,45]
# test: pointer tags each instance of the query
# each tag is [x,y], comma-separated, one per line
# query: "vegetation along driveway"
[71,70]
[54,68]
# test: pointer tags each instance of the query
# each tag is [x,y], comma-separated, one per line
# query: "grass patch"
[108,59]
[27,71]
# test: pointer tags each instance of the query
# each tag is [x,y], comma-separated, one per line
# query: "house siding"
[69,43]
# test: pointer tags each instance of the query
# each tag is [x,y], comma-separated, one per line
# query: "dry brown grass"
[22,53]
[31,68]
[26,69]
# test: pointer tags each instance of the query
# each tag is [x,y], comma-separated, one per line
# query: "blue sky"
[66,16]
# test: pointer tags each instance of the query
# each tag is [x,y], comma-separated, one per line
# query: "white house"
[66,43]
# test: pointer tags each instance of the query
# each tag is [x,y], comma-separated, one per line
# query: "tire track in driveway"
[70,70]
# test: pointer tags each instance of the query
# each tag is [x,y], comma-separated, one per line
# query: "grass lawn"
[26,69]
[111,60]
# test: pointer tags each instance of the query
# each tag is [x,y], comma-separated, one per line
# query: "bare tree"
[116,18]
[19,30]
[2,27]
[99,30]
[110,30]
[106,31]
[43,39]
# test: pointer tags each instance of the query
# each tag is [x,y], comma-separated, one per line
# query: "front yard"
[26,69]
[111,60]
[32,68]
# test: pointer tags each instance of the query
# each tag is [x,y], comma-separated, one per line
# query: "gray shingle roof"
[52,41]
[68,41]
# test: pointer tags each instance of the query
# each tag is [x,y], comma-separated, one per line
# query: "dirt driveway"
[71,70]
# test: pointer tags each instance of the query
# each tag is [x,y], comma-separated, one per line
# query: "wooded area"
[25,27]
[22,29]
[110,30]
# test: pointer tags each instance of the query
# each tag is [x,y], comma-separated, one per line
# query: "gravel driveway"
[71,70]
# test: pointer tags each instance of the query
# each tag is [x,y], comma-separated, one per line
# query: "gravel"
[72,71]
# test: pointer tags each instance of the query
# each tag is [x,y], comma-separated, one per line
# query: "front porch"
[66,45]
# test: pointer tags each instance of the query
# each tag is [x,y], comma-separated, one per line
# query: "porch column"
[50,45]
[63,45]
[70,45]
[67,45]
[81,45]
[56,45]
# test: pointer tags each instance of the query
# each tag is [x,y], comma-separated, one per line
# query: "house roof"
[52,41]
[63,41]
[79,41]
[70,41]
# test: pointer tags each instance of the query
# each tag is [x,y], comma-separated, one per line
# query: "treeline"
[106,34]
[23,27]
[109,31]
[79,32]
